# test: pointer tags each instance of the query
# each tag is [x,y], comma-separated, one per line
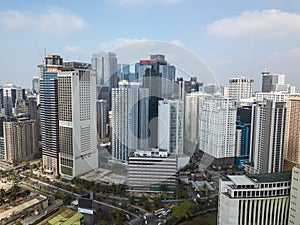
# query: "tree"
[163,187]
[183,211]
[118,217]
[67,199]
[157,203]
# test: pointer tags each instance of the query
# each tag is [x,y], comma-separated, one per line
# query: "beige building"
[20,140]
[240,87]
[292,137]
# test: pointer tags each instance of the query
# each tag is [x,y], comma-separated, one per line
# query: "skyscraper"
[11,94]
[243,134]
[240,87]
[49,112]
[102,119]
[20,140]
[129,119]
[217,129]
[157,75]
[77,120]
[193,102]
[105,66]
[170,125]
[267,136]
[35,85]
[269,81]
[275,83]
[292,137]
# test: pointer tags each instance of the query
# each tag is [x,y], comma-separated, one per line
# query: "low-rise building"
[148,170]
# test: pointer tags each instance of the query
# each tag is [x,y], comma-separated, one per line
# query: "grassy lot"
[208,219]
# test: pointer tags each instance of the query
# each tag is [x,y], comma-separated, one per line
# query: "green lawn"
[208,219]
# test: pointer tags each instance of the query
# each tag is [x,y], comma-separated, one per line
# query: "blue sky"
[232,37]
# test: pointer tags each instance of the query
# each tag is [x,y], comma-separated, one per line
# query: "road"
[52,189]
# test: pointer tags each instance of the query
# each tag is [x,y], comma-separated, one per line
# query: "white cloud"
[54,21]
[120,42]
[74,50]
[265,23]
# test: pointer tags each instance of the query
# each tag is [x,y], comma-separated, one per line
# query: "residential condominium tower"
[240,87]
[217,128]
[130,105]
[267,136]
[170,125]
[77,120]
[20,140]
[292,137]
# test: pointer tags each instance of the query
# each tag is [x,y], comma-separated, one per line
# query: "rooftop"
[241,180]
[63,217]
[271,177]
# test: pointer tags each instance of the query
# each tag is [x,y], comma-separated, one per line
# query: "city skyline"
[263,33]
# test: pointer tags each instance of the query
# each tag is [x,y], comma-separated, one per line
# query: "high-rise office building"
[243,134]
[275,83]
[49,112]
[183,87]
[20,140]
[123,72]
[294,216]
[130,109]
[77,120]
[211,88]
[292,137]
[105,65]
[11,94]
[31,106]
[217,129]
[102,119]
[171,125]
[254,199]
[35,85]
[240,87]
[267,136]
[270,81]
[2,149]
[157,75]
[193,102]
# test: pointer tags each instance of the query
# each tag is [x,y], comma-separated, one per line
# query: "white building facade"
[130,107]
[254,199]
[149,169]
[171,125]
[267,136]
[77,122]
[193,102]
[217,127]
[240,87]
[294,216]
